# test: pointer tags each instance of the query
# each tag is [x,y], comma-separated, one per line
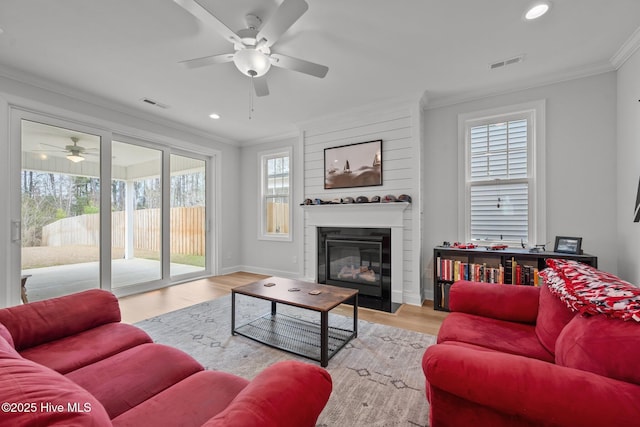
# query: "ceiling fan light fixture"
[252,62]
[75,157]
[536,10]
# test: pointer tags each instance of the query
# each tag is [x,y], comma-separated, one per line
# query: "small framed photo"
[568,245]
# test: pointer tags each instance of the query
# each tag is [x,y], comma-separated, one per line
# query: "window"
[275,209]
[501,184]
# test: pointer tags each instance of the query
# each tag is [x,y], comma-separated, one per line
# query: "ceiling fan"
[253,55]
[74,152]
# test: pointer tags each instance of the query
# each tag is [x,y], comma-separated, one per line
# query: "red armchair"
[517,356]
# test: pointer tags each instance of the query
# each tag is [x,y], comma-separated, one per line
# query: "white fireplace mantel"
[362,215]
[356,214]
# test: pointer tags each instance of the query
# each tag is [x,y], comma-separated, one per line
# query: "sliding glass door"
[188,215]
[60,199]
[136,214]
[146,229]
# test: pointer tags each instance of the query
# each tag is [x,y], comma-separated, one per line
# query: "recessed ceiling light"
[536,10]
[215,116]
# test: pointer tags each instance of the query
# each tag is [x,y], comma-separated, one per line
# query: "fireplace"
[357,258]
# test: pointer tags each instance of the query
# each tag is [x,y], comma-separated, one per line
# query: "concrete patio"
[49,282]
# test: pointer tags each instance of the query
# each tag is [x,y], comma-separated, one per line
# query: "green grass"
[195,260]
[186,259]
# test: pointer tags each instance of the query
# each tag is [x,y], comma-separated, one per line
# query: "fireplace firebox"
[357,258]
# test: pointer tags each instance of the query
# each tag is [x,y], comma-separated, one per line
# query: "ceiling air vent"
[155,103]
[506,62]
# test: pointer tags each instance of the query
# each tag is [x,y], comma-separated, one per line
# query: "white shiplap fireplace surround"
[365,215]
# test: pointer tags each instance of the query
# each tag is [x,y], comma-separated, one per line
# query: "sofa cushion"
[512,303]
[126,379]
[601,345]
[500,335]
[6,335]
[48,320]
[301,395]
[193,401]
[7,350]
[553,316]
[42,397]
[73,352]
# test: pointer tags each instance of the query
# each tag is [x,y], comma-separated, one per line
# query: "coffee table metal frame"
[292,334]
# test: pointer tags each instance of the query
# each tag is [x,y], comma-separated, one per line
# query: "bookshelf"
[508,266]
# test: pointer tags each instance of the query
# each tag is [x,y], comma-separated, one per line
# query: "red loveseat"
[518,356]
[69,361]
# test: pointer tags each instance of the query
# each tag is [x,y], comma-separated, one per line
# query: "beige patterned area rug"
[377,377]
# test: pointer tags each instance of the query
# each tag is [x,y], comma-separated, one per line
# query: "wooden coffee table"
[315,341]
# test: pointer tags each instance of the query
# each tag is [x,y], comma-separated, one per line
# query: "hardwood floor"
[142,306]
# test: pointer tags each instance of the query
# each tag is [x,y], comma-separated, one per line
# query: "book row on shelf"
[513,273]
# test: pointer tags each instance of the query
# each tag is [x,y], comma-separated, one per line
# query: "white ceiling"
[376,50]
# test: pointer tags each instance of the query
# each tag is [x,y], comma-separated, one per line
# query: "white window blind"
[498,181]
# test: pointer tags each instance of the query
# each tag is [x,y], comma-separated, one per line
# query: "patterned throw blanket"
[590,291]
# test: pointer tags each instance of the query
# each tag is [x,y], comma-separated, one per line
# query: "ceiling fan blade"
[207,60]
[287,13]
[197,10]
[299,65]
[53,146]
[260,85]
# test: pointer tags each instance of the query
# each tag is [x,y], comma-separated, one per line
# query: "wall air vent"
[155,103]
[506,62]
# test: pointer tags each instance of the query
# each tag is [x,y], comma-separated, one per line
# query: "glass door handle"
[16,230]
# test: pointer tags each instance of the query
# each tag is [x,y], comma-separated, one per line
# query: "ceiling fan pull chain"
[251,90]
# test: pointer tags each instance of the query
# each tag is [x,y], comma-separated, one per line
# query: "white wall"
[580,164]
[275,258]
[399,129]
[100,115]
[628,168]
[589,179]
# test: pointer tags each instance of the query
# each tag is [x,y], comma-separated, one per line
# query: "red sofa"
[69,361]
[518,356]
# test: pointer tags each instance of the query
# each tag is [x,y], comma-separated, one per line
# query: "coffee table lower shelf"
[294,335]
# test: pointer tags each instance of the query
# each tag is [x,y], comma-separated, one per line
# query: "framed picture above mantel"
[353,165]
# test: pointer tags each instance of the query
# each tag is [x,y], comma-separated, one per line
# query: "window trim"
[263,156]
[536,152]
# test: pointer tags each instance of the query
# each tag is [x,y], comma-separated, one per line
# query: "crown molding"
[272,138]
[626,50]
[520,85]
[75,94]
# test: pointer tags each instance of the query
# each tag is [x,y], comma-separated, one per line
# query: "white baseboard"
[412,298]
[229,270]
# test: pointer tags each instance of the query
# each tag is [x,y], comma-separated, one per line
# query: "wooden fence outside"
[277,217]
[187,225]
